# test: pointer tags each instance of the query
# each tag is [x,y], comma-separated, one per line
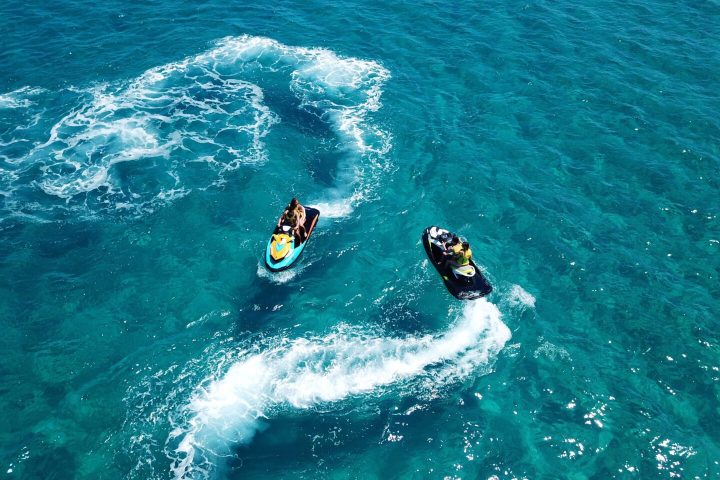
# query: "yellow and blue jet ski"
[464,282]
[285,246]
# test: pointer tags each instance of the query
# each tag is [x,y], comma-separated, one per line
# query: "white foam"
[137,143]
[132,123]
[20,98]
[281,277]
[337,209]
[305,372]
[342,91]
[205,104]
[519,296]
[551,351]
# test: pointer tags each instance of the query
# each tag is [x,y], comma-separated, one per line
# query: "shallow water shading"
[146,151]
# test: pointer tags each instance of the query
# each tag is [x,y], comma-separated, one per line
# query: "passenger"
[463,255]
[299,209]
[452,249]
[294,217]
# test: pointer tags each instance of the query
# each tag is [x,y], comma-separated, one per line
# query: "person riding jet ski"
[290,236]
[456,254]
[453,259]
[294,217]
[463,254]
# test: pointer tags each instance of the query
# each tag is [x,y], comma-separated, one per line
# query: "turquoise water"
[146,150]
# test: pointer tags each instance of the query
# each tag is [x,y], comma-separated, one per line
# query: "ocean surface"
[147,148]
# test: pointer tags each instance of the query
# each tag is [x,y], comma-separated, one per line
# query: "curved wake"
[306,372]
[178,127]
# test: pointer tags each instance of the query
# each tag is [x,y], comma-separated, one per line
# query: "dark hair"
[293,202]
[455,240]
[466,245]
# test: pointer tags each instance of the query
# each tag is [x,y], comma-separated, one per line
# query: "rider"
[452,248]
[299,210]
[294,217]
[457,254]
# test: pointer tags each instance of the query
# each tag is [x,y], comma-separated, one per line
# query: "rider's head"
[293,202]
[465,245]
[455,240]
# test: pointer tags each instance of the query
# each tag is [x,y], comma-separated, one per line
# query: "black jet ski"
[465,282]
[284,247]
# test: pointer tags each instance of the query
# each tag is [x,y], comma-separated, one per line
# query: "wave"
[519,296]
[304,373]
[282,276]
[178,127]
[20,98]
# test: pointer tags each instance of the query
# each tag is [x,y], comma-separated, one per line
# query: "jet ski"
[285,246]
[464,282]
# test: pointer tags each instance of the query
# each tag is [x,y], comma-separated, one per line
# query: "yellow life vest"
[463,257]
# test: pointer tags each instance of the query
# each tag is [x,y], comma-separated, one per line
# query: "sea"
[148,148]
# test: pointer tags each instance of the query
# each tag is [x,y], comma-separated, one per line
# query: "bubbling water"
[141,143]
[301,373]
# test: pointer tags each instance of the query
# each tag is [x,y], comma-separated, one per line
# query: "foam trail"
[22,97]
[338,208]
[302,373]
[341,91]
[519,296]
[205,109]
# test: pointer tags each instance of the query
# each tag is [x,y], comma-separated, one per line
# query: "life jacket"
[463,257]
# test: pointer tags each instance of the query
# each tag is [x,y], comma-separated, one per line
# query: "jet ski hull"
[294,249]
[464,288]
